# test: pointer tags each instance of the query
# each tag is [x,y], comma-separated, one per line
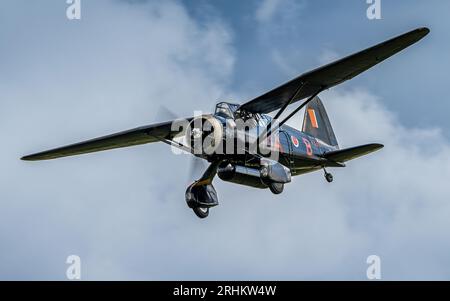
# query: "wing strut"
[270,131]
[301,106]
[289,101]
[209,174]
[177,145]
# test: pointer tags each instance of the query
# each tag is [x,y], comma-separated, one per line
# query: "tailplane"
[351,153]
[317,124]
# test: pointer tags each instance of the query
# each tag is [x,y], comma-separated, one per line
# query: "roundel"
[294,141]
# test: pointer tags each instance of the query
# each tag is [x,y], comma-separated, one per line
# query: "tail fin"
[317,124]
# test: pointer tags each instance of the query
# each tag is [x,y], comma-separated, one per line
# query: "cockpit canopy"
[226,110]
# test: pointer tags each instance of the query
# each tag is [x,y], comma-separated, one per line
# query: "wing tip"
[35,157]
[414,35]
[377,146]
[28,158]
[423,31]
[419,33]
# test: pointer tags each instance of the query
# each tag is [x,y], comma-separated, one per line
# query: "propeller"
[198,165]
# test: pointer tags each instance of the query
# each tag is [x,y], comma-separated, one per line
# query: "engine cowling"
[205,134]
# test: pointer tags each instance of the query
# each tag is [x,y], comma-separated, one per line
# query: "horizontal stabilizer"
[351,153]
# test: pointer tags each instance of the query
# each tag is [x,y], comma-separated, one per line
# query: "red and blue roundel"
[295,141]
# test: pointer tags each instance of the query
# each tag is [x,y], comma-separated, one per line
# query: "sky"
[123,211]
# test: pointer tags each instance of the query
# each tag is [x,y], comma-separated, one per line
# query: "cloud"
[281,12]
[123,211]
[65,81]
[267,10]
[399,201]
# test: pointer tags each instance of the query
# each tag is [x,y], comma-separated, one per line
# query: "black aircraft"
[264,152]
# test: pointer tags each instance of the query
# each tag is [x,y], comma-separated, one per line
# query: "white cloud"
[65,81]
[279,12]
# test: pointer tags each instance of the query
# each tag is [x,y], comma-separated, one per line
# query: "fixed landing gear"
[276,188]
[201,212]
[328,176]
[201,197]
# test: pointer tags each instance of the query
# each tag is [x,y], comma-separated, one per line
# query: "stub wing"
[140,135]
[344,155]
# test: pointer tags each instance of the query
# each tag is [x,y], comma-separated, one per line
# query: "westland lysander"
[265,152]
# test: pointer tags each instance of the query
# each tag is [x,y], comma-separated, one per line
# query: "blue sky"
[123,211]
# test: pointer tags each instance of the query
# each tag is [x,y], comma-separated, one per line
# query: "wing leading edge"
[332,74]
[137,136]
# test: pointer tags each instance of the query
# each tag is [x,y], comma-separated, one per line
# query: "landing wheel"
[328,177]
[276,188]
[201,212]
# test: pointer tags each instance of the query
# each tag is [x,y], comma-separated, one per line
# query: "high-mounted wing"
[140,135]
[332,74]
[351,153]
